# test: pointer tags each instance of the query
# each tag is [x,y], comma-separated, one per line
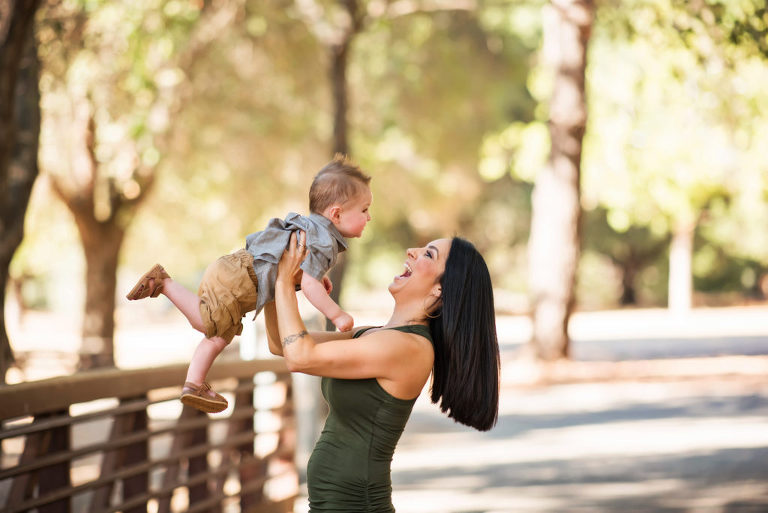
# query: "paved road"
[693,446]
[656,445]
[697,445]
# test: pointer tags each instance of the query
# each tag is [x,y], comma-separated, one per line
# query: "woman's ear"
[437,291]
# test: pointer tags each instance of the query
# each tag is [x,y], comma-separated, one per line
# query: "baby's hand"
[343,321]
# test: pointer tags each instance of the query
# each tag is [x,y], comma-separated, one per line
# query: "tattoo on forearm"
[290,339]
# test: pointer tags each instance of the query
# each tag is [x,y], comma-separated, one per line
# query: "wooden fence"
[119,440]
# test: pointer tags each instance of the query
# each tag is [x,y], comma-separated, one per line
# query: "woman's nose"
[411,253]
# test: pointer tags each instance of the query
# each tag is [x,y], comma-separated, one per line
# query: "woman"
[443,323]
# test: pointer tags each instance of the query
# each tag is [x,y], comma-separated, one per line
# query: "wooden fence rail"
[120,441]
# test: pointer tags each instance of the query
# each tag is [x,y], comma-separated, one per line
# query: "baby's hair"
[339,181]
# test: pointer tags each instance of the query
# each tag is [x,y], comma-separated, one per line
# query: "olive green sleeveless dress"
[349,470]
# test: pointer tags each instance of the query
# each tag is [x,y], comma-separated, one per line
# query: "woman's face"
[423,269]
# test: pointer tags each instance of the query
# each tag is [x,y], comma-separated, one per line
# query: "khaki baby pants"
[227,292]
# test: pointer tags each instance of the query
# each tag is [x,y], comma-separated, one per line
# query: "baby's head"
[341,194]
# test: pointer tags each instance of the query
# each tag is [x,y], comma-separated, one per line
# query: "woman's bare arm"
[273,334]
[399,357]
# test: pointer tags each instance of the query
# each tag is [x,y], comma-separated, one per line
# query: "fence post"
[56,476]
[251,468]
[171,475]
[120,434]
[198,464]
[286,445]
[134,454]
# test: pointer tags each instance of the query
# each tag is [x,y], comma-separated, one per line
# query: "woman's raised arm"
[396,356]
[296,343]
[273,333]
[288,267]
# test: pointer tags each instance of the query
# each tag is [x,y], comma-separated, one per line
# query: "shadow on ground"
[678,347]
[611,447]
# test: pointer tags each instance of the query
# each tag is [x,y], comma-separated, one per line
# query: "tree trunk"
[102,237]
[102,233]
[102,240]
[554,243]
[101,244]
[19,136]
[15,25]
[680,270]
[339,53]
[629,270]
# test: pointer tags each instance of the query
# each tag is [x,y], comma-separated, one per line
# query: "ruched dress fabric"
[349,470]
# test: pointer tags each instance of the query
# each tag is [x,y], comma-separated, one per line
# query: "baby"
[244,281]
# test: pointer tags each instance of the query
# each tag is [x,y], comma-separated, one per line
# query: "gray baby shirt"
[324,243]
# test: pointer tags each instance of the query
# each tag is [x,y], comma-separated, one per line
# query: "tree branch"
[401,8]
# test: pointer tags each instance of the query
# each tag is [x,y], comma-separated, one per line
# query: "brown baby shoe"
[198,397]
[142,288]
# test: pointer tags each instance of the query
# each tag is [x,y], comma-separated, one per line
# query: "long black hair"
[465,378]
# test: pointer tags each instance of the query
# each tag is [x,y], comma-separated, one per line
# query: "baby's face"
[354,214]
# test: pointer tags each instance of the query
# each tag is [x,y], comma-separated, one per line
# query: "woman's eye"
[428,254]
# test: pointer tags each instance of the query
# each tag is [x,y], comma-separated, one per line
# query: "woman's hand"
[290,263]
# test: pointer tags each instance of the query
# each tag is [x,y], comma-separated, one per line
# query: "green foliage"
[230,103]
[739,28]
[427,89]
[498,223]
[717,271]
[251,135]
[632,250]
[247,118]
[676,114]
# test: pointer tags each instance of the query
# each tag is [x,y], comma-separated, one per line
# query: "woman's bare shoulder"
[410,359]
[327,336]
[399,341]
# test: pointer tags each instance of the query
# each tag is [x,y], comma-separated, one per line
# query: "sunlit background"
[188,124]
[447,112]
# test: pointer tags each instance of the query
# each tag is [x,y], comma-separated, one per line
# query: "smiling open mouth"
[407,273]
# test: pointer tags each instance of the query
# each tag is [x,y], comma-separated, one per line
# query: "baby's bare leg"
[205,353]
[186,301]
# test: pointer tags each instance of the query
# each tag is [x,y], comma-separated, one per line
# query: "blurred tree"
[336,31]
[112,75]
[257,119]
[499,222]
[19,135]
[555,227]
[419,115]
[254,129]
[440,83]
[659,68]
[631,250]
[730,41]
[718,272]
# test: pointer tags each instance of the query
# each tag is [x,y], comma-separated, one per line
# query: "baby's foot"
[202,398]
[149,285]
